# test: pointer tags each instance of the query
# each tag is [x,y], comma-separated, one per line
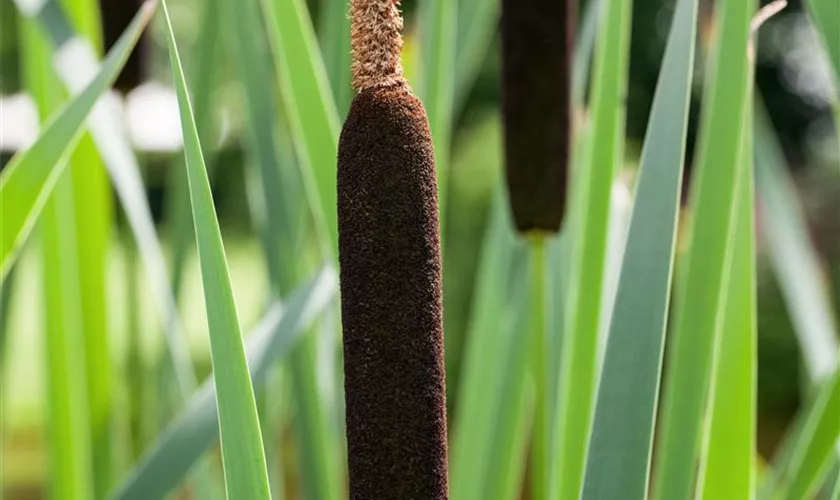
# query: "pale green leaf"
[699,308]
[309,106]
[179,446]
[29,177]
[729,468]
[243,456]
[590,220]
[620,451]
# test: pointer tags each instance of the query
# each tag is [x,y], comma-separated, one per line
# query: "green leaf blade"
[591,206]
[204,73]
[437,88]
[481,385]
[792,255]
[819,442]
[284,209]
[699,307]
[826,16]
[476,23]
[309,105]
[30,175]
[729,469]
[68,424]
[334,33]
[181,444]
[620,451]
[243,456]
[75,61]
[94,209]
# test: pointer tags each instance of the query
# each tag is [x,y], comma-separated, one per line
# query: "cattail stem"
[390,268]
[537,43]
[540,453]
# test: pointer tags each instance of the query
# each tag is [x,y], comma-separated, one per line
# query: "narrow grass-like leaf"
[826,16]
[283,239]
[476,25]
[481,383]
[282,235]
[309,106]
[560,247]
[6,292]
[579,365]
[437,86]
[584,45]
[813,447]
[69,420]
[783,455]
[93,209]
[314,429]
[792,255]
[334,35]
[166,464]
[512,418]
[558,271]
[140,411]
[699,309]
[68,424]
[622,434]
[262,127]
[833,479]
[835,490]
[203,72]
[273,406]
[243,456]
[729,468]
[76,63]
[275,206]
[29,177]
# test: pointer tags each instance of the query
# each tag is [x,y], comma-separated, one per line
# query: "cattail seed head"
[390,270]
[537,40]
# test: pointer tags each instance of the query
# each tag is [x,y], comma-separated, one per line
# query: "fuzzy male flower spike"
[537,40]
[390,269]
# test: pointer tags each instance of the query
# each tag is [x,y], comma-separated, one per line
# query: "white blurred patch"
[153,120]
[30,8]
[18,122]
[149,112]
[793,41]
[77,63]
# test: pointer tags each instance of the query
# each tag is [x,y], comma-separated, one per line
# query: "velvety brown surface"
[389,254]
[537,38]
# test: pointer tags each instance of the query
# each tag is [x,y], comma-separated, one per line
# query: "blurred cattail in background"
[537,40]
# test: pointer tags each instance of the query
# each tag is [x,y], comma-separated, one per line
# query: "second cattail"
[389,256]
[537,39]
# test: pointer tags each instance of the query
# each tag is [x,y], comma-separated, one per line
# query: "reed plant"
[354,165]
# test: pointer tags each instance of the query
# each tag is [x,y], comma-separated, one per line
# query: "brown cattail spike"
[389,256]
[537,37]
[376,42]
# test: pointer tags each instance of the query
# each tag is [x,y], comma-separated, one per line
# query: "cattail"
[537,38]
[389,255]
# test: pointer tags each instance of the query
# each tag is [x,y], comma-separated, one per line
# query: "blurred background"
[792,76]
